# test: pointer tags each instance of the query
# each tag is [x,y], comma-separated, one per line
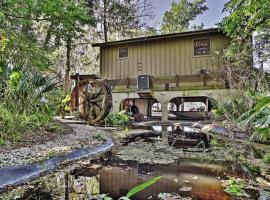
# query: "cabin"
[180,74]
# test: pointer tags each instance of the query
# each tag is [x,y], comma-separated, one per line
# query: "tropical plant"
[258,116]
[64,105]
[232,109]
[24,106]
[116,119]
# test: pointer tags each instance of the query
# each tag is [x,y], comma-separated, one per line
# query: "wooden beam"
[85,76]
[169,79]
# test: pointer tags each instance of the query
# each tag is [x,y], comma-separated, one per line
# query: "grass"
[266,158]
[14,125]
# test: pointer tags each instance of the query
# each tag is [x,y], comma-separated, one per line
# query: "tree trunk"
[68,65]
[105,27]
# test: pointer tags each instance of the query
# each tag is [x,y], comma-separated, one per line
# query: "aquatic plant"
[235,187]
[133,191]
[141,187]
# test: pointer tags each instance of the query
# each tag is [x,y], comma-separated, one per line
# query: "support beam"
[164,109]
[182,104]
[207,107]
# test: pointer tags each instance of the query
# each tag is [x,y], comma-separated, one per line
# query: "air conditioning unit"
[144,82]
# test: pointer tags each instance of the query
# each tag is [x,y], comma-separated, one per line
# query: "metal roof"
[158,37]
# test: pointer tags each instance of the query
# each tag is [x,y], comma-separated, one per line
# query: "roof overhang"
[158,37]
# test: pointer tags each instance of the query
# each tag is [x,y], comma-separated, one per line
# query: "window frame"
[118,53]
[210,48]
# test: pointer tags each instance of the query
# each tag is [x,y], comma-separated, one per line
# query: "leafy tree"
[246,18]
[178,18]
[22,20]
[120,16]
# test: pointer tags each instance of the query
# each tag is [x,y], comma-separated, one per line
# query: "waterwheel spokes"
[95,100]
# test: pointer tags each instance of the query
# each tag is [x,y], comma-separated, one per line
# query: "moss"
[99,136]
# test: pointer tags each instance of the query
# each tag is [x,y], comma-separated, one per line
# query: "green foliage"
[266,158]
[99,136]
[233,109]
[24,22]
[245,18]
[64,105]
[116,119]
[235,187]
[13,125]
[258,116]
[142,186]
[23,101]
[133,191]
[178,18]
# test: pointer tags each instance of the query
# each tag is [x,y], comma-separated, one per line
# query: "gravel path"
[83,136]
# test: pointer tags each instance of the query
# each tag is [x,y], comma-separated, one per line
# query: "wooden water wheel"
[94,98]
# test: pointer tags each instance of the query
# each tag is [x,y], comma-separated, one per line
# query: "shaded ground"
[45,134]
[44,144]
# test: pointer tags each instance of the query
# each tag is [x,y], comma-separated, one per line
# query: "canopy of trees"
[178,18]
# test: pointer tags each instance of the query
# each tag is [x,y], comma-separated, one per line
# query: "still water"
[188,178]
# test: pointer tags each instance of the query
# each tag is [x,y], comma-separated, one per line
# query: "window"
[201,47]
[123,52]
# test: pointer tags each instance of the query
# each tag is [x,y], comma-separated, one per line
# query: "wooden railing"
[178,79]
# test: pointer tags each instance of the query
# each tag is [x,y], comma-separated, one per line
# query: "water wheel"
[95,100]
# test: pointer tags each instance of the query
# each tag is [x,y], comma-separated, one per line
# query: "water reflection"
[178,136]
[184,177]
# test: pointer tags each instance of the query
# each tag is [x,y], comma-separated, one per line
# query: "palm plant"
[259,118]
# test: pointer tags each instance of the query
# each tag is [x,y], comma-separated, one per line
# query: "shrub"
[116,119]
[24,105]
[13,125]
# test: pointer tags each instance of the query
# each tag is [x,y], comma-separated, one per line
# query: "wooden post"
[167,86]
[207,107]
[204,80]
[77,86]
[128,82]
[177,80]
[149,108]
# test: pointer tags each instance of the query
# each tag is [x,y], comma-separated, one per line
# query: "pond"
[187,178]
[148,154]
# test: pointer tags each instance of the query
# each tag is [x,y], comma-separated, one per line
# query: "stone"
[213,129]
[264,195]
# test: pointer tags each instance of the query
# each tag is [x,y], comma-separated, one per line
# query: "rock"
[264,195]
[185,189]
[213,129]
[200,124]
